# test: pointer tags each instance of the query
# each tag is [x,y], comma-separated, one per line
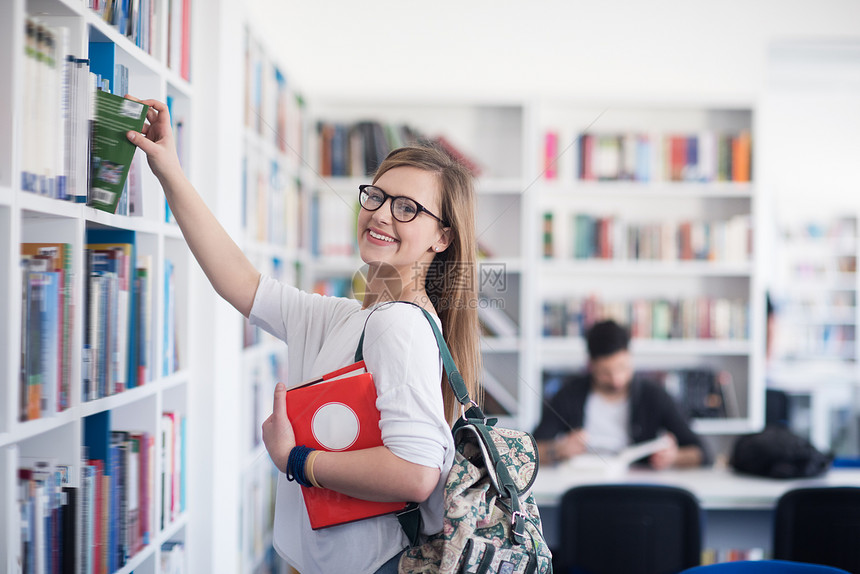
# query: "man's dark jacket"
[652,410]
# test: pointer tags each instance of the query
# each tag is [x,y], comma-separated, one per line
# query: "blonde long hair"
[451,282]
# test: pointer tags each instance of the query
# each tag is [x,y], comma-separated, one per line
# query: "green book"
[112,152]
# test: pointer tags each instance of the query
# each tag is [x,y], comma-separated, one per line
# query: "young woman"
[416,232]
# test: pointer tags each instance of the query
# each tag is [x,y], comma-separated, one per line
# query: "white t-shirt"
[400,351]
[606,424]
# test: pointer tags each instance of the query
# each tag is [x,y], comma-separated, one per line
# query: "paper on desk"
[618,463]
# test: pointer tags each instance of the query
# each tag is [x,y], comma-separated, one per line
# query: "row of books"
[272,110]
[355,149]
[46,329]
[132,18]
[93,517]
[137,20]
[54,144]
[334,287]
[332,224]
[74,146]
[707,156]
[173,558]
[660,318]
[838,229]
[118,352]
[611,237]
[718,555]
[817,342]
[270,202]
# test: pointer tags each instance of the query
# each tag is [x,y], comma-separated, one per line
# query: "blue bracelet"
[296,465]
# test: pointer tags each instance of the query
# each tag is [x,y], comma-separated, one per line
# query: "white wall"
[681,49]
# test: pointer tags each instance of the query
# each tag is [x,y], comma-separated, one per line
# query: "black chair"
[629,529]
[819,525]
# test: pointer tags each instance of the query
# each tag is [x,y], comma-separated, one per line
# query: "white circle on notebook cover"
[335,426]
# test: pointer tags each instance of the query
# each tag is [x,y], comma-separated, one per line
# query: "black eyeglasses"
[403,209]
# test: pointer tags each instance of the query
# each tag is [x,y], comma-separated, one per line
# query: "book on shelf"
[337,412]
[550,155]
[142,298]
[170,362]
[46,329]
[547,237]
[112,152]
[179,37]
[173,466]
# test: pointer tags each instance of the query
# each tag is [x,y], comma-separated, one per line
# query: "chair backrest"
[819,525]
[629,529]
[764,567]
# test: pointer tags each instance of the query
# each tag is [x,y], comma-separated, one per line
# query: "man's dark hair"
[606,338]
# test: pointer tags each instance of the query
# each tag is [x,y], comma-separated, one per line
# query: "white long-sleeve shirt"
[401,353]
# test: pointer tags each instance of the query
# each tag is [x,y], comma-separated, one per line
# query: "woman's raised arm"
[227,268]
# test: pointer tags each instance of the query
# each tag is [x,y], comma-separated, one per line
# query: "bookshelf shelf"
[616,180]
[560,192]
[650,268]
[28,429]
[61,432]
[36,204]
[500,344]
[501,186]
[574,347]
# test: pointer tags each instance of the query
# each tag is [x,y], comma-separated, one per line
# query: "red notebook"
[337,412]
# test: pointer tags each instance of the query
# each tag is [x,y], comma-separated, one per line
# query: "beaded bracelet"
[296,465]
[309,469]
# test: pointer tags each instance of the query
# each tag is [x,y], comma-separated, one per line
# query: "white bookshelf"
[27,217]
[618,278]
[493,135]
[506,139]
[272,205]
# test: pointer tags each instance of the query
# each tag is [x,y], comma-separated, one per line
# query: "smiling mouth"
[381,237]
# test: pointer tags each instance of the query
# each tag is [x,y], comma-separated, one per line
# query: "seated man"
[607,410]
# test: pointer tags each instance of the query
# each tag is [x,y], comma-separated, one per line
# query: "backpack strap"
[455,379]
[410,516]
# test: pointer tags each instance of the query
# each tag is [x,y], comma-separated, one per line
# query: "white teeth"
[382,237]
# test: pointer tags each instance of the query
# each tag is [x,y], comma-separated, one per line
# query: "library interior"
[688,170]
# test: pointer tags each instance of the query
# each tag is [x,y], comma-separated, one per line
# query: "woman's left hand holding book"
[278,431]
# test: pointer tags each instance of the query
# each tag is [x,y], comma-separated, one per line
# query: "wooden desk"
[739,508]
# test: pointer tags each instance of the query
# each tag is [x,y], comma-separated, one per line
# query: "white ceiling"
[664,49]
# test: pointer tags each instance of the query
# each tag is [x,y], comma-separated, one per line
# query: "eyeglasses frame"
[386,197]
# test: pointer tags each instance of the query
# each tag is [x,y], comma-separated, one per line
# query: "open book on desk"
[337,412]
[617,464]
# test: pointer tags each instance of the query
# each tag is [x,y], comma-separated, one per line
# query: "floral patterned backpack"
[491,521]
